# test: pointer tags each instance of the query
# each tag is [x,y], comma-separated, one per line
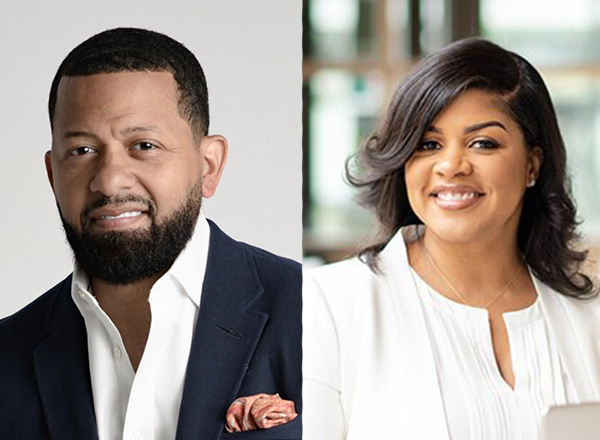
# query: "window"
[356,52]
[561,39]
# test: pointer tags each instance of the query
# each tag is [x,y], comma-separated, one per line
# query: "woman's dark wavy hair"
[547,230]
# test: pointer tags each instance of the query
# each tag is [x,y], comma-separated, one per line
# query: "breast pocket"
[290,431]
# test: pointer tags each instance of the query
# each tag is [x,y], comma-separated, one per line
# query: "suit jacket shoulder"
[25,329]
[25,342]
[277,272]
[247,341]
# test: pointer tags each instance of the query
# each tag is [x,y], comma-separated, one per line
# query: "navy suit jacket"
[248,340]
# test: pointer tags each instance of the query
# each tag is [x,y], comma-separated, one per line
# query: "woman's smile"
[467,178]
[455,197]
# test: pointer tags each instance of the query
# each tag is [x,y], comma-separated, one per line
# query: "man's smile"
[116,217]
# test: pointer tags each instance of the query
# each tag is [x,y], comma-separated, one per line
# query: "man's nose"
[113,173]
[453,161]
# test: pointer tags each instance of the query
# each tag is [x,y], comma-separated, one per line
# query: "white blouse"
[478,402]
[385,357]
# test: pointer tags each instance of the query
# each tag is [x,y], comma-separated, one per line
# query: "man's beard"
[128,256]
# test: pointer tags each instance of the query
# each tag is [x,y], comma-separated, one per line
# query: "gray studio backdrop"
[251,54]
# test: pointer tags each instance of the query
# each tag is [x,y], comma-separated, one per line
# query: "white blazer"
[368,365]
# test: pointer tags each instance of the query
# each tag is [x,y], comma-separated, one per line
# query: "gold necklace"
[494,298]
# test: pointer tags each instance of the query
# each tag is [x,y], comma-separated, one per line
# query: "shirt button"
[82,296]
[136,437]
[118,353]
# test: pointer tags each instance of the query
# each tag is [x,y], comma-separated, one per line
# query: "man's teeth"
[455,197]
[124,215]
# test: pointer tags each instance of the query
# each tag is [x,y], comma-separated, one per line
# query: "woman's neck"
[475,271]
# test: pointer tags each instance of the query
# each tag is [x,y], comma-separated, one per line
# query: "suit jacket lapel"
[62,371]
[225,338]
[427,406]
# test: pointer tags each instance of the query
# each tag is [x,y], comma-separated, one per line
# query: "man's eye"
[144,146]
[80,151]
[429,146]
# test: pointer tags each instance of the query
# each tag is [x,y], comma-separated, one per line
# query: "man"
[165,321]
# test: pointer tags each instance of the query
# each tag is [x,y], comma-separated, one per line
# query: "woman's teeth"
[448,196]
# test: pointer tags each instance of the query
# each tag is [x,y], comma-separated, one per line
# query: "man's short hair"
[135,50]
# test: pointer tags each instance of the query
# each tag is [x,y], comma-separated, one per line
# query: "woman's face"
[467,179]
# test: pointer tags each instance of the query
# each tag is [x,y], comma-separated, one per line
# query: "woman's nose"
[453,161]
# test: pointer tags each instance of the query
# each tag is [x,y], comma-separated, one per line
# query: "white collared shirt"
[144,405]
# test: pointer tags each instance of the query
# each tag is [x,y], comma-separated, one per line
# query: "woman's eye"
[144,146]
[80,151]
[484,144]
[429,146]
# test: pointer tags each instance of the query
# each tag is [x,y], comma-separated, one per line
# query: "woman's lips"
[456,198]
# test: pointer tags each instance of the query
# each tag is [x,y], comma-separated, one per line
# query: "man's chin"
[129,255]
[119,234]
[119,257]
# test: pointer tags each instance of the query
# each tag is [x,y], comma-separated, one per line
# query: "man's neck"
[128,308]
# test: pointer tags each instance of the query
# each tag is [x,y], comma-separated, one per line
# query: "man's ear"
[48,161]
[214,153]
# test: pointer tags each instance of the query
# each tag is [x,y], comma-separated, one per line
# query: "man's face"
[124,166]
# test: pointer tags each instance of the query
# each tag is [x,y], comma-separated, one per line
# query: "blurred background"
[251,56]
[356,52]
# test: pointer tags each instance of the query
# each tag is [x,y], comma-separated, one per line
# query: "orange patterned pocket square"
[261,411]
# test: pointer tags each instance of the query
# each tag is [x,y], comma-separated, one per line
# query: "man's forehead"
[92,82]
[149,89]
[132,101]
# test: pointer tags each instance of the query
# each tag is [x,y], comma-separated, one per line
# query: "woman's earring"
[531,182]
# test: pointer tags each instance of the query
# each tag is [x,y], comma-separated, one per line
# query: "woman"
[470,317]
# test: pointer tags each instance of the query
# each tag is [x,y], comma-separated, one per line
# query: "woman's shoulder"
[350,265]
[349,289]
[346,275]
[587,306]
[585,310]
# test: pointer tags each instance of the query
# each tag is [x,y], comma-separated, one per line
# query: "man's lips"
[456,197]
[127,214]
[117,216]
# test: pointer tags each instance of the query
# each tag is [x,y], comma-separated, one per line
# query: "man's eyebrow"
[75,134]
[475,127]
[139,129]
[133,129]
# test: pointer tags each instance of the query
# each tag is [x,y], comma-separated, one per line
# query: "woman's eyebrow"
[475,127]
[481,125]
